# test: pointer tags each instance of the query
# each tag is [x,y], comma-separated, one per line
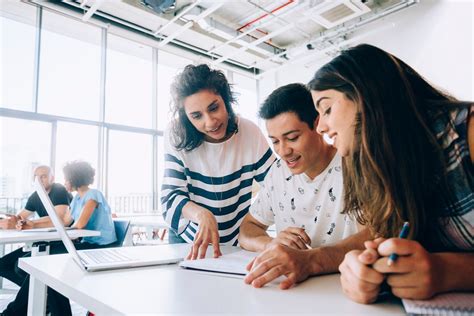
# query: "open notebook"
[442,304]
[231,263]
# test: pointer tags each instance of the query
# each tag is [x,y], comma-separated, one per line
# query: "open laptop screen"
[48,205]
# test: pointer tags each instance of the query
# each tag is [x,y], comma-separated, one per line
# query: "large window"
[129,83]
[130,172]
[168,67]
[72,90]
[69,81]
[24,145]
[76,142]
[17,49]
[247,97]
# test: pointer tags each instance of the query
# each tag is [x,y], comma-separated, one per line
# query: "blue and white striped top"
[217,176]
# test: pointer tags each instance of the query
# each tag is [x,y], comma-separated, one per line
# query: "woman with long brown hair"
[408,153]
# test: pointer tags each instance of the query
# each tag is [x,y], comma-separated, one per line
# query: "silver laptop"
[110,258]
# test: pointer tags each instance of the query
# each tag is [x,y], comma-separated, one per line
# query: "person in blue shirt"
[89,210]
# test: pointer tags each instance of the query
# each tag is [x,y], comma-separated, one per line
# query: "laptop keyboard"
[106,256]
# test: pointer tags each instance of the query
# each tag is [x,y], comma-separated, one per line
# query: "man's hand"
[23,224]
[293,237]
[276,261]
[9,222]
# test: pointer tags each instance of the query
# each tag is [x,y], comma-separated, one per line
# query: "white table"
[169,290]
[13,236]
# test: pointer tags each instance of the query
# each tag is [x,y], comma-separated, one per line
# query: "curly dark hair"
[79,173]
[192,80]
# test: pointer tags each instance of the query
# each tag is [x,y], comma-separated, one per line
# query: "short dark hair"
[79,173]
[294,97]
[192,80]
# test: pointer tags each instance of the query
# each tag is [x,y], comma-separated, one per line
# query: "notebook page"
[233,263]
[442,304]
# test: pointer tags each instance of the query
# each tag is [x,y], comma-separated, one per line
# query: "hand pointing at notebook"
[207,234]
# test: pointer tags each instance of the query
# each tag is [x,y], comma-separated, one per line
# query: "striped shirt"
[457,234]
[216,176]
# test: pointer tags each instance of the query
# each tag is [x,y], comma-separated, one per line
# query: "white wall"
[435,37]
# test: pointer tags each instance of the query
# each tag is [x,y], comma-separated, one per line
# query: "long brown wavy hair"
[396,169]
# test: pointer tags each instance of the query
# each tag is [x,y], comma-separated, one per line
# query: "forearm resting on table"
[326,259]
[253,235]
[63,214]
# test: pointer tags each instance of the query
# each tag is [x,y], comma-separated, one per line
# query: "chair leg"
[163,234]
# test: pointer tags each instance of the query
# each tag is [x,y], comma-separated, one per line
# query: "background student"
[89,210]
[212,157]
[408,153]
[60,199]
[301,194]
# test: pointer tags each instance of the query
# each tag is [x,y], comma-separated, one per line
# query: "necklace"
[215,162]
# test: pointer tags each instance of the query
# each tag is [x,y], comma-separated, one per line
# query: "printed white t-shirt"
[288,200]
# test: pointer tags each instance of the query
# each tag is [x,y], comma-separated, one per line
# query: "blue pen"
[403,234]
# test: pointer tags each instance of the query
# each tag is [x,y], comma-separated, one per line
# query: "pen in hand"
[403,234]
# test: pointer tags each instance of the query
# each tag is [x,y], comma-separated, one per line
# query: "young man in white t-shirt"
[302,194]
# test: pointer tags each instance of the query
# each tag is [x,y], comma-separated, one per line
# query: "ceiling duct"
[160,6]
[333,13]
[223,31]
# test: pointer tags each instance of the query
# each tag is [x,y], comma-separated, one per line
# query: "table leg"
[149,232]
[38,290]
[2,252]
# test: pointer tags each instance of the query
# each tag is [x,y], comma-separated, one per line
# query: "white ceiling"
[257,35]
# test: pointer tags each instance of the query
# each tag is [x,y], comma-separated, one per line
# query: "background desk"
[170,289]
[13,236]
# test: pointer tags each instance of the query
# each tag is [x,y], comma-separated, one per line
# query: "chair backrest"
[121,228]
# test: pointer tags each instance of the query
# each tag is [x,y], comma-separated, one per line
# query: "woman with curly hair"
[212,157]
[89,208]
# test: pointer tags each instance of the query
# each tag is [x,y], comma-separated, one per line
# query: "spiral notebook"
[442,304]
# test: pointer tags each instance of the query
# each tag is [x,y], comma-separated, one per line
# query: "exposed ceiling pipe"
[265,15]
[329,35]
[221,30]
[182,29]
[254,43]
[345,43]
[261,24]
[176,17]
[62,10]
[83,3]
[92,10]
[326,52]
[280,18]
